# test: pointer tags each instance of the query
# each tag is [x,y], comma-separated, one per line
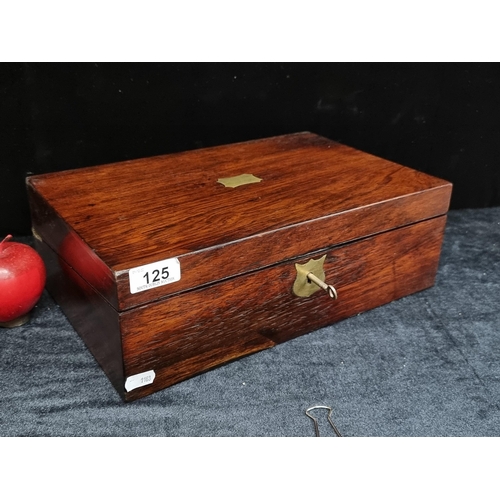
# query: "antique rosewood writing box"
[172,265]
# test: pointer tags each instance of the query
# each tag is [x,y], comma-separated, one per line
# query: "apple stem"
[7,238]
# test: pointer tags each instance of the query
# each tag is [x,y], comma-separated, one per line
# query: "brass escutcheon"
[310,278]
[239,180]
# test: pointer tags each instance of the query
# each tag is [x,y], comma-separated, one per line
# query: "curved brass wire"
[315,420]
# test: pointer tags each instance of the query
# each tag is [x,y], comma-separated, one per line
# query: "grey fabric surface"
[426,365]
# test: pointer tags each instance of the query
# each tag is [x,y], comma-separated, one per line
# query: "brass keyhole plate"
[304,287]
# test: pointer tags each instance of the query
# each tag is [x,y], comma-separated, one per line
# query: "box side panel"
[192,332]
[91,316]
[49,227]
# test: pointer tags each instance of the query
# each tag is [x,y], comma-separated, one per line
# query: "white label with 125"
[154,275]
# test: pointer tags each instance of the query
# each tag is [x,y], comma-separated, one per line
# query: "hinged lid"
[177,214]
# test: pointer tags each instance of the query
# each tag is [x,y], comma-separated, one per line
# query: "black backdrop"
[443,119]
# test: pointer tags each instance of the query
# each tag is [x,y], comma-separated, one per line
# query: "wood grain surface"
[315,193]
[192,332]
[379,224]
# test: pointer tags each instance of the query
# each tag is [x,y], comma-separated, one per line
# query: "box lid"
[302,193]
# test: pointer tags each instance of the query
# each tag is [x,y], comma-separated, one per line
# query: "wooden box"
[172,265]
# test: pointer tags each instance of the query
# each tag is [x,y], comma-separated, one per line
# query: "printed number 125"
[155,274]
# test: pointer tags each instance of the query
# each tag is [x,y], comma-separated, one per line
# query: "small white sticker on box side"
[153,275]
[139,380]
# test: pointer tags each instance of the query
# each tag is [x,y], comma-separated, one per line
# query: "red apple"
[22,280]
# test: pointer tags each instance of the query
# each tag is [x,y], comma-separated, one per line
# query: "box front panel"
[243,256]
[194,331]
